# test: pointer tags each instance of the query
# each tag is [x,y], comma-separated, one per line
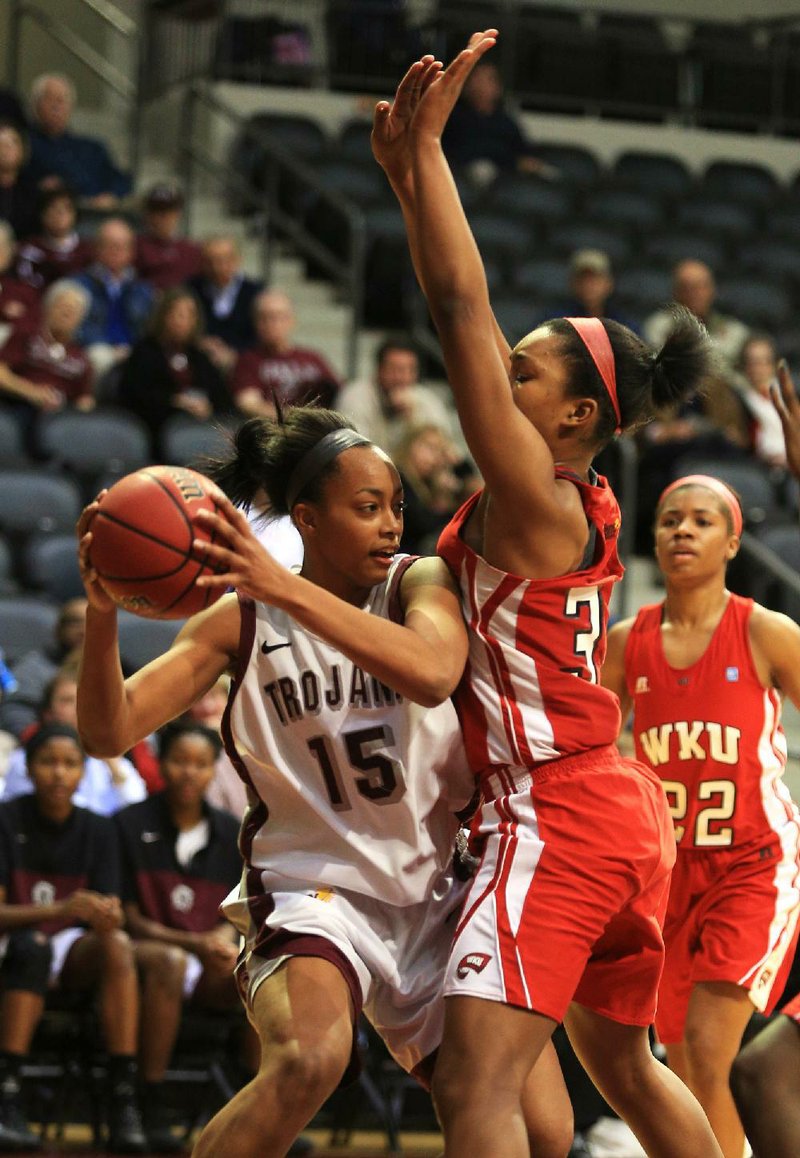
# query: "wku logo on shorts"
[472,963]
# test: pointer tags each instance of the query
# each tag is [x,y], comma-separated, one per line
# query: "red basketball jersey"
[712,732]
[529,692]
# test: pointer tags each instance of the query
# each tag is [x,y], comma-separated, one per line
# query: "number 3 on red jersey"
[583,603]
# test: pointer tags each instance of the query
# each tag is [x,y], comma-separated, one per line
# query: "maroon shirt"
[49,363]
[40,262]
[166,264]
[297,377]
[19,304]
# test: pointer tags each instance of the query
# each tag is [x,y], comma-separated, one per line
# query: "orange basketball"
[142,536]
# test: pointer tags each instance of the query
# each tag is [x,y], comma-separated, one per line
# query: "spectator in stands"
[19,303]
[106,785]
[591,286]
[60,156]
[46,369]
[61,912]
[163,258]
[34,669]
[693,286]
[482,139]
[121,303]
[384,410]
[275,370]
[168,372]
[56,250]
[436,481]
[226,297]
[17,190]
[227,789]
[758,366]
[180,861]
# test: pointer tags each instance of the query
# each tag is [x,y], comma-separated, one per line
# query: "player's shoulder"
[772,628]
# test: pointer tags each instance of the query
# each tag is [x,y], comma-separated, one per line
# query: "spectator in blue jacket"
[82,163]
[121,303]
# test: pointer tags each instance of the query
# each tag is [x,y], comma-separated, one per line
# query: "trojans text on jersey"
[293,697]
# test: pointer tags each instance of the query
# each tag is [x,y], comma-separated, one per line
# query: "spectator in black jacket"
[168,372]
[227,298]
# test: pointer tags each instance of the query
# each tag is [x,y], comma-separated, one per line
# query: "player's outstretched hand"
[245,564]
[436,102]
[786,402]
[392,119]
[98,598]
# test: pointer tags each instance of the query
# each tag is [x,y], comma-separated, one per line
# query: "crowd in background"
[104,302]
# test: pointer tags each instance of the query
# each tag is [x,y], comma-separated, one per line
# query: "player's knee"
[706,1058]
[119,953]
[552,1139]
[164,967]
[745,1078]
[27,962]
[307,1076]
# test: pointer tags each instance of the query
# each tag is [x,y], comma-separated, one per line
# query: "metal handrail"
[348,275]
[78,48]
[770,561]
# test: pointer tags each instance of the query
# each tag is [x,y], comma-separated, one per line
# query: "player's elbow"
[100,744]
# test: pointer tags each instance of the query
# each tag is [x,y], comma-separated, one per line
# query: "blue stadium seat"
[727,219]
[36,501]
[51,566]
[757,301]
[747,184]
[531,198]
[545,277]
[658,173]
[572,235]
[631,208]
[644,287]
[675,245]
[141,640]
[26,623]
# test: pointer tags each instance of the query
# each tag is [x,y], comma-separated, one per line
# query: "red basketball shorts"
[571,892]
[732,916]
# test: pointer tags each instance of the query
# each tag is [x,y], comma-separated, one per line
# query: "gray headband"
[312,462]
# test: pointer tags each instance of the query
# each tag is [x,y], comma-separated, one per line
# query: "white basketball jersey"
[357,786]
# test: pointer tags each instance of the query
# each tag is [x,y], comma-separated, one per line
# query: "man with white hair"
[83,163]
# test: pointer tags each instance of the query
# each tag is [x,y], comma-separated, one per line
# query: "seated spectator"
[591,285]
[105,786]
[226,297]
[436,481]
[693,286]
[227,789]
[34,669]
[275,370]
[180,860]
[61,913]
[62,157]
[46,369]
[19,303]
[482,138]
[164,259]
[56,250]
[758,366]
[384,410]
[168,372]
[17,190]
[120,303]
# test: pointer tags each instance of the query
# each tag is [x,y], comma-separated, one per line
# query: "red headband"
[592,333]
[717,487]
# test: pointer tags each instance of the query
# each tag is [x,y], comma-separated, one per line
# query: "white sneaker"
[611,1138]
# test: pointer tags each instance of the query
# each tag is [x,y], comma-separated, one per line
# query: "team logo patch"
[323,895]
[43,893]
[763,979]
[472,963]
[732,674]
[642,685]
[182,899]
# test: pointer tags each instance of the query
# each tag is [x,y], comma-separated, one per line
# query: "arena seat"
[26,623]
[531,198]
[12,449]
[50,565]
[34,500]
[785,542]
[672,246]
[629,208]
[578,166]
[749,479]
[659,173]
[745,183]
[757,301]
[8,583]
[110,441]
[644,286]
[571,235]
[353,142]
[188,442]
[726,219]
[544,277]
[141,640]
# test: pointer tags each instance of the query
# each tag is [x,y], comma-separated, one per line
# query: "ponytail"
[265,452]
[648,381]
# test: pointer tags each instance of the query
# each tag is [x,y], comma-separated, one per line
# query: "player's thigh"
[305,1005]
[488,1043]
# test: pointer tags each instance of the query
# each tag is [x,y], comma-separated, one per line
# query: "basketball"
[142,535]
